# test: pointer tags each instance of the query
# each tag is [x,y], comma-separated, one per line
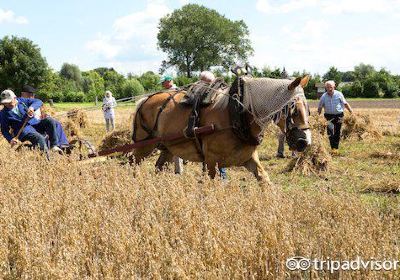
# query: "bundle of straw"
[314,160]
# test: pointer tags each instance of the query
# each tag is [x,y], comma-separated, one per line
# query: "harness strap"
[143,125]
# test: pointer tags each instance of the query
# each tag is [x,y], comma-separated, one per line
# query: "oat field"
[67,220]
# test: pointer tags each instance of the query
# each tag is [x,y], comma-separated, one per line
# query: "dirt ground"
[390,103]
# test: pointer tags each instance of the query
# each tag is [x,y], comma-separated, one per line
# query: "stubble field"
[67,220]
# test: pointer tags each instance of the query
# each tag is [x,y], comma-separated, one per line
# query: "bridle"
[294,112]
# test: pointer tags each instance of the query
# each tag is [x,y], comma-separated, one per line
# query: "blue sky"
[296,34]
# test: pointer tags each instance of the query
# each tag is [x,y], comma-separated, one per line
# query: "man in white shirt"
[333,103]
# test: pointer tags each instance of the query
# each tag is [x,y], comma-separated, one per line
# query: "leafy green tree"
[103,70]
[357,89]
[21,63]
[92,84]
[131,87]
[184,80]
[114,82]
[257,73]
[387,83]
[371,87]
[150,81]
[333,74]
[310,90]
[348,76]
[73,96]
[52,85]
[267,72]
[196,38]
[362,71]
[71,72]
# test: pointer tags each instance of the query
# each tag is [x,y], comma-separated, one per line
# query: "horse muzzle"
[298,139]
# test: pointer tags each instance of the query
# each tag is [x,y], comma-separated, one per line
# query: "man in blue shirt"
[15,112]
[29,92]
[333,103]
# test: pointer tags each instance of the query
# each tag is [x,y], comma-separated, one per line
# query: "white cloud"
[309,36]
[8,16]
[266,7]
[330,6]
[143,23]
[132,35]
[103,46]
[357,6]
[183,2]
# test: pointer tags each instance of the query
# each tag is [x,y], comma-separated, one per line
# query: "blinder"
[295,136]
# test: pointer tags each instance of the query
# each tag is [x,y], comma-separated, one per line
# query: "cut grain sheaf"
[79,117]
[360,127]
[314,160]
[115,138]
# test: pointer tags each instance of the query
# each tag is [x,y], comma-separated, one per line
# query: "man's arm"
[348,107]
[346,104]
[5,128]
[321,104]
[32,102]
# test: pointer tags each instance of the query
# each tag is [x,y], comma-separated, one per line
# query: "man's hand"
[13,142]
[348,107]
[30,112]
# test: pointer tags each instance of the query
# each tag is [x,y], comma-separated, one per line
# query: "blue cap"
[166,78]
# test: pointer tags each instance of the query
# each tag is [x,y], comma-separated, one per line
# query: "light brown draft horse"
[161,115]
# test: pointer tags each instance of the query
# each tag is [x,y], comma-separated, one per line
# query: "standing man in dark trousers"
[333,103]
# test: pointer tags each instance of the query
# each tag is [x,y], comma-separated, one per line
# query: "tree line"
[22,63]
[194,38]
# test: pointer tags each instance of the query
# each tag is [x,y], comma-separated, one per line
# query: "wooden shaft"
[22,127]
[204,130]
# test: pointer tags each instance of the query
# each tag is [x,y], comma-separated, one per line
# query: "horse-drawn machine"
[215,124]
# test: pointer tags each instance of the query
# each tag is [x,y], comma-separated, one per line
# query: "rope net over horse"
[267,99]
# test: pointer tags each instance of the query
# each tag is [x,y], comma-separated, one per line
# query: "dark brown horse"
[161,115]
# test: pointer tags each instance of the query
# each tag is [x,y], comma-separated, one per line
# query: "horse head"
[295,124]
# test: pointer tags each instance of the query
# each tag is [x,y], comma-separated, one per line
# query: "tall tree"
[21,63]
[150,81]
[114,82]
[196,38]
[362,70]
[333,74]
[92,84]
[71,72]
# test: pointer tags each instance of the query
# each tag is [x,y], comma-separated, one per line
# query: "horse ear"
[294,84]
[304,81]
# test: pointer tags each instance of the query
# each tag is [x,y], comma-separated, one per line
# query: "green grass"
[65,106]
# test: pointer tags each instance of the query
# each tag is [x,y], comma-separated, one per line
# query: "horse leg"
[164,157]
[211,169]
[255,167]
